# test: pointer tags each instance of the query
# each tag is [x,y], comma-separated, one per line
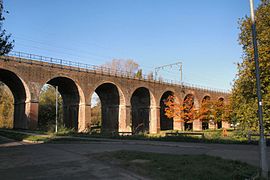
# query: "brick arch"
[21,95]
[196,96]
[165,122]
[206,97]
[221,98]
[175,93]
[72,96]
[142,102]
[112,101]
[76,82]
[122,93]
[153,96]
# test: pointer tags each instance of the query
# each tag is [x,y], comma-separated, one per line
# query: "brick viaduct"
[127,102]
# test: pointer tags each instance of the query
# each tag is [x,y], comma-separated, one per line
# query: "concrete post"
[154,126]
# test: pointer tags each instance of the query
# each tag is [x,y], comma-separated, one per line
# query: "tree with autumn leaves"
[210,111]
[183,111]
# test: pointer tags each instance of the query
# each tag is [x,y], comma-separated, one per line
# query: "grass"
[211,136]
[20,136]
[51,138]
[172,167]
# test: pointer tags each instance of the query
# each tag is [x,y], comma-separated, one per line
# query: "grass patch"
[211,136]
[14,135]
[20,136]
[170,167]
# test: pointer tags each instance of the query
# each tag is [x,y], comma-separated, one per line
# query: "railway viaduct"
[127,102]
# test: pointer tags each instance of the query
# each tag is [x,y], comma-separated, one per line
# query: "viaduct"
[127,102]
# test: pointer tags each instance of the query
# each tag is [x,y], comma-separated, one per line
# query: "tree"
[96,114]
[5,45]
[185,112]
[139,74]
[205,112]
[6,99]
[244,99]
[214,111]
[6,107]
[47,108]
[129,65]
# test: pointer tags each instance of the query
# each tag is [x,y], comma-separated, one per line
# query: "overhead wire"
[92,56]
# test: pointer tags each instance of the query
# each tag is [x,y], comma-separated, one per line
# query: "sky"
[203,35]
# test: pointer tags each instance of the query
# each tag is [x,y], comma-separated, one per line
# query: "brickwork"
[77,87]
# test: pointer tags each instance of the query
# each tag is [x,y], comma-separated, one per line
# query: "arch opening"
[140,110]
[96,113]
[188,106]
[220,106]
[205,112]
[6,107]
[165,122]
[47,109]
[69,100]
[109,96]
[13,86]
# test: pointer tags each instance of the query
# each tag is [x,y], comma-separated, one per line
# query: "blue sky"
[201,34]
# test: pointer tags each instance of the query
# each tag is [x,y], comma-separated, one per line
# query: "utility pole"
[56,108]
[178,64]
[262,144]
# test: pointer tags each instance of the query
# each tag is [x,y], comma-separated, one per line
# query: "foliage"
[127,65]
[5,45]
[139,74]
[185,112]
[96,114]
[244,98]
[206,111]
[64,131]
[214,111]
[47,109]
[6,107]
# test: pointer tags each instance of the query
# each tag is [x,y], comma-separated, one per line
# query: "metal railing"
[82,67]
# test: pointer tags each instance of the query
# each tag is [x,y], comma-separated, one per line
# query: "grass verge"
[210,137]
[170,167]
[22,136]
[52,138]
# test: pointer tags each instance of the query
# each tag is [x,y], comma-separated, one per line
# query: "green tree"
[5,44]
[6,107]
[96,114]
[46,115]
[139,74]
[244,98]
